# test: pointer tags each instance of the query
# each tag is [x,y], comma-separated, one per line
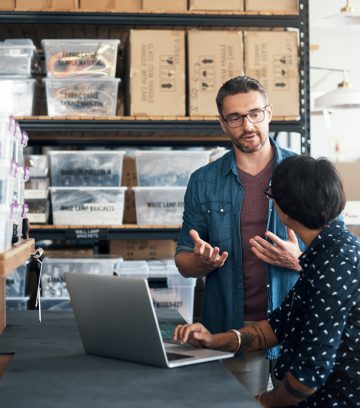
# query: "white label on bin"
[166,204]
[16,53]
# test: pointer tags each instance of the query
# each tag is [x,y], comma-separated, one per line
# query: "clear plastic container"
[58,304]
[16,57]
[86,168]
[169,290]
[39,206]
[6,183]
[80,57]
[82,96]
[159,205]
[6,227]
[38,164]
[87,205]
[168,167]
[52,277]
[6,138]
[17,303]
[40,184]
[16,282]
[17,96]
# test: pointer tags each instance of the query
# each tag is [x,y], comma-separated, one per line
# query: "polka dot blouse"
[318,324]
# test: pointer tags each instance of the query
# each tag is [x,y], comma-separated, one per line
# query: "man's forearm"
[191,266]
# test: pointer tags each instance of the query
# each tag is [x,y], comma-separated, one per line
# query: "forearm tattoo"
[255,340]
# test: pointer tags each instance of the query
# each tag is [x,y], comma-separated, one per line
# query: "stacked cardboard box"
[214,57]
[231,5]
[47,4]
[157,73]
[272,58]
[288,6]
[106,5]
[165,5]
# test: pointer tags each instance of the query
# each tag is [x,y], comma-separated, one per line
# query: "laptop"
[116,318]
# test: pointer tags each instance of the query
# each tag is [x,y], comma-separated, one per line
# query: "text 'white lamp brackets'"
[343,97]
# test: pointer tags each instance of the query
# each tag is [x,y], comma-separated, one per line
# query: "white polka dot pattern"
[318,324]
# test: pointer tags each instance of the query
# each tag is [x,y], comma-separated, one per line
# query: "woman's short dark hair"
[308,190]
[239,84]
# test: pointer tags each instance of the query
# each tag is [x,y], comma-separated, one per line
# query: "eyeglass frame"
[269,195]
[246,116]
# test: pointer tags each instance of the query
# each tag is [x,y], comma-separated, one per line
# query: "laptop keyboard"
[176,356]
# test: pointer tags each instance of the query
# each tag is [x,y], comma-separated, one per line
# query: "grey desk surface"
[50,369]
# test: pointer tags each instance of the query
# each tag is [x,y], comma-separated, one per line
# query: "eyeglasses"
[268,194]
[236,120]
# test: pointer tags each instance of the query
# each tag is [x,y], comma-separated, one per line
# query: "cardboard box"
[129,180]
[355,229]
[157,73]
[47,4]
[232,5]
[214,57]
[288,6]
[7,4]
[143,249]
[348,172]
[105,5]
[165,5]
[272,58]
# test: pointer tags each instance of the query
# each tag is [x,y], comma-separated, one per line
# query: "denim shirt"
[212,207]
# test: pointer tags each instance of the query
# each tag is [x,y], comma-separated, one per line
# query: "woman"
[318,324]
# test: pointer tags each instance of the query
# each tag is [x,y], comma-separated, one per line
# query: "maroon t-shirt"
[253,221]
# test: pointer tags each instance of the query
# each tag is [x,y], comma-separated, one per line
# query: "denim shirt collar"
[230,165]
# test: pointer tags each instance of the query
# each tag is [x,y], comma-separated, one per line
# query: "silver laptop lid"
[107,327]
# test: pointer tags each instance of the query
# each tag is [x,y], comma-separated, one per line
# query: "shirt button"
[222,210]
[208,211]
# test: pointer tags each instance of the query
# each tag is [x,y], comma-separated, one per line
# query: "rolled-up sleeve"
[193,217]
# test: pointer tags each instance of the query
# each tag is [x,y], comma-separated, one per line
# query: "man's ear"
[222,123]
[270,111]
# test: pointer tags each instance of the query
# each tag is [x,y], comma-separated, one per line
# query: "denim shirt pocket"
[218,218]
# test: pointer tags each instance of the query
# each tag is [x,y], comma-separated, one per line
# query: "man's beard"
[249,149]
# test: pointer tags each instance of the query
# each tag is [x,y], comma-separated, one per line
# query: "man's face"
[249,137]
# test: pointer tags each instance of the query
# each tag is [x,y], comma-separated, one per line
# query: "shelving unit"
[9,261]
[157,131]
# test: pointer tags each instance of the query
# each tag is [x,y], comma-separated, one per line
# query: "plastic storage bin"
[169,290]
[159,205]
[52,277]
[7,138]
[17,303]
[16,56]
[39,206]
[38,165]
[81,96]
[79,57]
[16,282]
[6,227]
[86,168]
[61,303]
[17,96]
[168,167]
[87,205]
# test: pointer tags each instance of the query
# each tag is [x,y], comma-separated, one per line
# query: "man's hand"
[207,254]
[195,334]
[284,253]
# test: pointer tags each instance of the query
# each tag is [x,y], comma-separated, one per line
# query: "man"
[318,324]
[225,215]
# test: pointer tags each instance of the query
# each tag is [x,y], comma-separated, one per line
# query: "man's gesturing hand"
[207,254]
[284,253]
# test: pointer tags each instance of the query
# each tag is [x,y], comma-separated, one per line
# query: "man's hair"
[308,190]
[239,84]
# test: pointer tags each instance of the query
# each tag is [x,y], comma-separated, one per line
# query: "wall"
[338,48]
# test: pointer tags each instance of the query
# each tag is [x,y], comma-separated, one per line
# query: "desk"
[50,369]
